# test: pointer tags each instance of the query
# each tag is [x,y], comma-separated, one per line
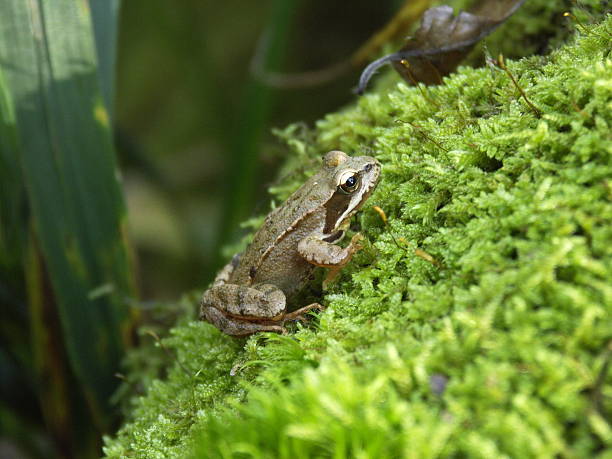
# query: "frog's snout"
[372,166]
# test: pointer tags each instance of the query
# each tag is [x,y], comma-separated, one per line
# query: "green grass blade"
[104,19]
[12,199]
[48,58]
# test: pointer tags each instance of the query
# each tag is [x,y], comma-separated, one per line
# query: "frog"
[250,294]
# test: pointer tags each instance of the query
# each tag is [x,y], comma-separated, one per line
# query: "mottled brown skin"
[249,294]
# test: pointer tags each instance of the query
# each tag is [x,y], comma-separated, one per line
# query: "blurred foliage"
[499,349]
[65,272]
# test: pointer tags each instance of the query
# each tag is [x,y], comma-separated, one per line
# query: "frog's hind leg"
[234,327]
[257,302]
[327,255]
[242,310]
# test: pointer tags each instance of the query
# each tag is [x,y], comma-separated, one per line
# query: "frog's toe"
[298,314]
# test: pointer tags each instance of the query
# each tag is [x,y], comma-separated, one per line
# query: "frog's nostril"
[368,167]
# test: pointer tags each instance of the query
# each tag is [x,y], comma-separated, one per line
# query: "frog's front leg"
[321,253]
[244,310]
[315,250]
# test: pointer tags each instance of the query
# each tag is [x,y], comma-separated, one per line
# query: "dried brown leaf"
[443,40]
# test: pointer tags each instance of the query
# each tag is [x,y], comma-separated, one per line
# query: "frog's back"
[272,256]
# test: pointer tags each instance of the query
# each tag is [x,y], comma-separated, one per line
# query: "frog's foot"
[298,314]
[237,327]
[356,243]
[331,275]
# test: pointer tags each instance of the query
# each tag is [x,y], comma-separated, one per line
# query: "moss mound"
[477,321]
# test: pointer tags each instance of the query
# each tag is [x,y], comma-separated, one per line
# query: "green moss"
[499,347]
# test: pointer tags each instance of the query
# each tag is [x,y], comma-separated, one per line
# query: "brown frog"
[249,294]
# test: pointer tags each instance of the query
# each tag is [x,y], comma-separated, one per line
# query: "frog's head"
[353,179]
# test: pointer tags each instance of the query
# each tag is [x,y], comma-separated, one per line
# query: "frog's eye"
[348,183]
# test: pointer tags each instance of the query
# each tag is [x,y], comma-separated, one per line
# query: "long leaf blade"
[104,19]
[48,57]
